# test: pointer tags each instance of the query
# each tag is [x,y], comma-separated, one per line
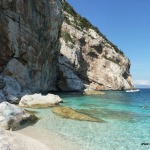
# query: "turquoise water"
[127,123]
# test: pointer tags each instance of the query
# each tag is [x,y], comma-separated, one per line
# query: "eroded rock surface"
[12,117]
[39,101]
[29,42]
[92,92]
[88,59]
[10,89]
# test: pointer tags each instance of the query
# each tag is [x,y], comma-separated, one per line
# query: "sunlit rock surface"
[39,101]
[92,92]
[88,59]
[12,117]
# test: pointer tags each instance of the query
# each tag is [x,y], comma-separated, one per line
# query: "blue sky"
[127,24]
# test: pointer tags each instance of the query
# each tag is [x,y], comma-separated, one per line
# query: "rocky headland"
[40,54]
[46,46]
[88,60]
[29,41]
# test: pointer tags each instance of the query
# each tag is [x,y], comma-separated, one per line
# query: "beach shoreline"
[52,140]
[16,141]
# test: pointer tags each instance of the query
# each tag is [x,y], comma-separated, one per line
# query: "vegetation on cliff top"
[82,23]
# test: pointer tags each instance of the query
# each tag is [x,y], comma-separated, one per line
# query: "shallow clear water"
[127,123]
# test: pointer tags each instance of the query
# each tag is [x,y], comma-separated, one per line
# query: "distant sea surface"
[126,115]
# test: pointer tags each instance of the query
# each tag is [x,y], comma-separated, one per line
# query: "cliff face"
[88,59]
[29,46]
[29,42]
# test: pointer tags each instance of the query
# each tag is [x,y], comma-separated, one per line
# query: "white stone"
[93,33]
[13,117]
[39,101]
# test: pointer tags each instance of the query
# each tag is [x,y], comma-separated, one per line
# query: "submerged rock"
[70,113]
[111,114]
[92,92]
[13,117]
[39,101]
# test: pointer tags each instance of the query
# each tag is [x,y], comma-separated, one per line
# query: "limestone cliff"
[88,59]
[29,45]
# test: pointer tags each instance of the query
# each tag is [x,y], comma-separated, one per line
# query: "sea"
[126,118]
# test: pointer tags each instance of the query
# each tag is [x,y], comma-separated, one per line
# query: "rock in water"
[92,92]
[39,101]
[70,113]
[13,117]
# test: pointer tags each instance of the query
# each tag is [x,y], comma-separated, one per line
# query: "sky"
[126,23]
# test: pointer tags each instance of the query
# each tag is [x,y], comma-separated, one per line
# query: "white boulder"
[39,101]
[13,117]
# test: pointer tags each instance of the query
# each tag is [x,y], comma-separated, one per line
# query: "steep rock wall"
[29,42]
[88,59]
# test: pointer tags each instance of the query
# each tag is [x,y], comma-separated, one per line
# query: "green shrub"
[83,23]
[112,60]
[66,36]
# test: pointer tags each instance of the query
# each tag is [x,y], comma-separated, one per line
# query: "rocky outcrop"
[67,112]
[29,48]
[10,90]
[13,117]
[29,42]
[92,92]
[88,59]
[39,101]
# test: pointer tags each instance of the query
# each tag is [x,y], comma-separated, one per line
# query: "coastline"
[16,141]
[52,140]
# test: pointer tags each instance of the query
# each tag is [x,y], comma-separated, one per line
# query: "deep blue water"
[126,127]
